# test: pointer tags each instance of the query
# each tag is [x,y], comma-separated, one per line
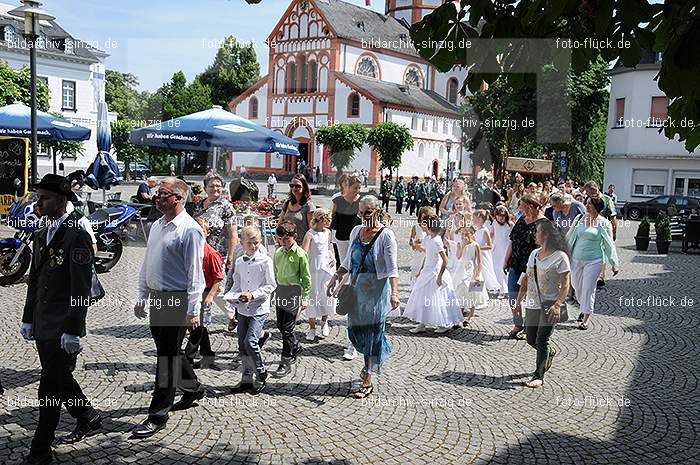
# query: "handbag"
[347,298]
[97,292]
[545,304]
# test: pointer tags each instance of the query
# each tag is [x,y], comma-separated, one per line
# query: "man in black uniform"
[54,315]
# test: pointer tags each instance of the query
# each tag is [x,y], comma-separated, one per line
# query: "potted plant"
[663,233]
[643,237]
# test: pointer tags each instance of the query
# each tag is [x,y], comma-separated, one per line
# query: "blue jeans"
[250,328]
[513,289]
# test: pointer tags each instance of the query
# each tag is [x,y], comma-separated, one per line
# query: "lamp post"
[32,13]
[448,145]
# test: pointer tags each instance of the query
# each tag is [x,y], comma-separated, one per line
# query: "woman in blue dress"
[376,288]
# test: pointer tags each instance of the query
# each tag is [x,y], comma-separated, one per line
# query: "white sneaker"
[311,335]
[325,329]
[350,353]
[418,329]
[442,330]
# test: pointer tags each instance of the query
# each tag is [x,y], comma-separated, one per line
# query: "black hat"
[57,184]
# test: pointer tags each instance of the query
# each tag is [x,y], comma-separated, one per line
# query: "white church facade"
[333,62]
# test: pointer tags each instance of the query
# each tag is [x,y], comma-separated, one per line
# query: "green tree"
[235,68]
[176,98]
[627,27]
[390,140]
[122,96]
[342,140]
[65,148]
[14,87]
[123,148]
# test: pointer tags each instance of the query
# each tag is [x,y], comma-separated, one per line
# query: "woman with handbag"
[373,289]
[546,284]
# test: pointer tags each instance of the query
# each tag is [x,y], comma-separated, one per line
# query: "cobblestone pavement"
[625,391]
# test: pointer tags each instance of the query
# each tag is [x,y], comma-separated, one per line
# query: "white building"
[70,67]
[640,161]
[334,62]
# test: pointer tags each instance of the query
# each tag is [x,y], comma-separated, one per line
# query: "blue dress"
[366,327]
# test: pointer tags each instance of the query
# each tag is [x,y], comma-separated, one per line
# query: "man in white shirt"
[271,184]
[171,282]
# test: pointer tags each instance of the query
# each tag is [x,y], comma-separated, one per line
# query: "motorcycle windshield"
[22,215]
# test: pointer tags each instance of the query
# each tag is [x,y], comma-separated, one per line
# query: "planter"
[662,246]
[642,243]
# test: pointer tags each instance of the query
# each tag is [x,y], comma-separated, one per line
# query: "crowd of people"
[534,244]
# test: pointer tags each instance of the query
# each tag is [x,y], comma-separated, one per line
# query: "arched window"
[8,33]
[303,75]
[313,76]
[452,90]
[413,78]
[291,77]
[367,67]
[253,108]
[354,105]
[421,151]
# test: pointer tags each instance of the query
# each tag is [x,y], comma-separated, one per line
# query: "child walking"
[292,293]
[419,232]
[198,340]
[317,244]
[253,283]
[470,290]
[501,237]
[483,238]
[433,301]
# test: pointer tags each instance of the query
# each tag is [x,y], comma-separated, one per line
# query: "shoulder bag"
[347,297]
[546,304]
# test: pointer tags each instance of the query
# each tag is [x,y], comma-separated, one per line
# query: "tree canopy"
[342,140]
[390,140]
[614,29]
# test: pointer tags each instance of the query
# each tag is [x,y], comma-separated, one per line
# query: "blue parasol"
[16,121]
[212,128]
[103,173]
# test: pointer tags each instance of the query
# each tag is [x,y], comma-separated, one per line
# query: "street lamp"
[32,13]
[448,145]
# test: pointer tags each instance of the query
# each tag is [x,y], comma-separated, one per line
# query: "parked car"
[663,203]
[137,170]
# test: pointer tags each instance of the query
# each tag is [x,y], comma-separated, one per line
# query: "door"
[435,170]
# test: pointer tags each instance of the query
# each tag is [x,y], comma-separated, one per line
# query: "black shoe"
[580,317]
[242,387]
[260,383]
[40,459]
[147,429]
[196,365]
[82,429]
[600,283]
[232,324]
[282,370]
[296,354]
[263,339]
[187,400]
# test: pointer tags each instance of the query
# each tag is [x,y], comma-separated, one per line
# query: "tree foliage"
[235,68]
[342,140]
[390,140]
[65,148]
[14,87]
[615,29]
[122,96]
[123,149]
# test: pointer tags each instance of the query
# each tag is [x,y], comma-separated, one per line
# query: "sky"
[155,38]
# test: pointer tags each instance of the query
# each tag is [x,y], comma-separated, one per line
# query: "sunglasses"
[284,234]
[296,186]
[164,195]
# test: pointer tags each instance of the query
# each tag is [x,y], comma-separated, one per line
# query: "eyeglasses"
[282,234]
[164,195]
[296,186]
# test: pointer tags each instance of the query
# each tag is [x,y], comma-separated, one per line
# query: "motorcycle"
[15,252]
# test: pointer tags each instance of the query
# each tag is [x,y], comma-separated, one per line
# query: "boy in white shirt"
[253,283]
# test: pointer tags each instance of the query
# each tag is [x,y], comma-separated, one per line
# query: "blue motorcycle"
[16,254]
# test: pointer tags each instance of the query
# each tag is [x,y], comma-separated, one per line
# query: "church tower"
[411,11]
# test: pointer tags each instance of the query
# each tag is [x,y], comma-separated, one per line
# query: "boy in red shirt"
[213,275]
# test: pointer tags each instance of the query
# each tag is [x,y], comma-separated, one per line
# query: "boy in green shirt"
[293,278]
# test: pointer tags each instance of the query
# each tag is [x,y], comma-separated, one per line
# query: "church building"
[333,62]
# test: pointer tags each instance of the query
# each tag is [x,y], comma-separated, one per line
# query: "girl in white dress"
[483,238]
[501,236]
[419,232]
[470,290]
[317,244]
[433,301]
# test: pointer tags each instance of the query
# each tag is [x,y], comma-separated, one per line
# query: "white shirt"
[53,227]
[272,180]
[174,256]
[255,275]
[83,222]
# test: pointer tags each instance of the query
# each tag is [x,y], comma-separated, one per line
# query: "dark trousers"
[385,203]
[513,289]
[287,304]
[173,371]
[539,331]
[57,387]
[399,205]
[411,206]
[198,340]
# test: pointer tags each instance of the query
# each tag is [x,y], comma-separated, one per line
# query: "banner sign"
[14,158]
[529,165]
